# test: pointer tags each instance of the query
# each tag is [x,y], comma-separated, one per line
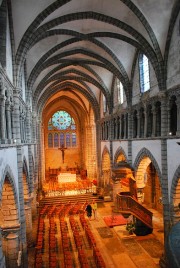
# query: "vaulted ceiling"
[74,48]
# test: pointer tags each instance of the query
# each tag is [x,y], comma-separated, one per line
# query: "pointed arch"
[8,174]
[8,193]
[105,152]
[120,151]
[146,153]
[174,197]
[149,180]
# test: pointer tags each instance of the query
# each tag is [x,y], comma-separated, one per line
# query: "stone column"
[21,126]
[145,121]
[2,118]
[12,250]
[130,125]
[178,115]
[125,126]
[2,257]
[21,204]
[165,197]
[28,125]
[154,121]
[138,124]
[164,116]
[39,145]
[97,143]
[116,128]
[120,128]
[91,151]
[8,118]
[16,117]
[42,154]
[11,246]
[34,122]
[28,217]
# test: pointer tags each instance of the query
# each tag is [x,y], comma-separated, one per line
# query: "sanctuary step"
[69,198]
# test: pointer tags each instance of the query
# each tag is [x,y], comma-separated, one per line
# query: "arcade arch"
[148,182]
[175,197]
[120,156]
[9,219]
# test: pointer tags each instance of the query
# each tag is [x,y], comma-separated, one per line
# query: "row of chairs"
[39,244]
[79,243]
[61,210]
[75,231]
[53,263]
[90,237]
[66,244]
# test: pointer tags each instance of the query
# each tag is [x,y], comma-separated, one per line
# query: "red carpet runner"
[115,220]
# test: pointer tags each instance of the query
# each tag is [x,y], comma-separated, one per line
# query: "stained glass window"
[73,126]
[73,139]
[68,139]
[50,140]
[62,128]
[60,120]
[56,140]
[61,139]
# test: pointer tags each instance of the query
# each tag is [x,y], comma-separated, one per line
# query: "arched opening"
[152,189]
[120,158]
[176,203]
[148,185]
[9,223]
[9,213]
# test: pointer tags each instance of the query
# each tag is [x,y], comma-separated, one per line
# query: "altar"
[66,177]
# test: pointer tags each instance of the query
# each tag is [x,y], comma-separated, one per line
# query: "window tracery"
[62,130]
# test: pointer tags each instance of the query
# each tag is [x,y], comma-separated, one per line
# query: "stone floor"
[118,248]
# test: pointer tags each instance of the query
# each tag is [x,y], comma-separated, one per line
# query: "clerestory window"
[120,91]
[144,73]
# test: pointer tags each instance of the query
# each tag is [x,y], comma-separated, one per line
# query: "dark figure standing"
[89,211]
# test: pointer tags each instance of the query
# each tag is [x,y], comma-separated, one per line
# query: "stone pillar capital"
[8,229]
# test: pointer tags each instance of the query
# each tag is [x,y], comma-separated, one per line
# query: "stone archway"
[120,156]
[9,220]
[175,197]
[148,181]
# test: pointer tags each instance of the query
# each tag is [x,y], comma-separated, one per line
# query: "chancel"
[89,111]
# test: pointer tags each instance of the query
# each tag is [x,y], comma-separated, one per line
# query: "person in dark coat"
[89,211]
